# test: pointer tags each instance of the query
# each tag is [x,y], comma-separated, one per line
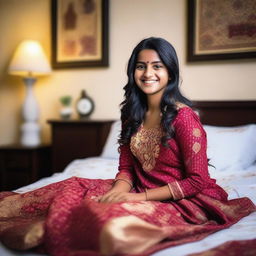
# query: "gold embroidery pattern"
[196,132]
[145,145]
[139,207]
[196,147]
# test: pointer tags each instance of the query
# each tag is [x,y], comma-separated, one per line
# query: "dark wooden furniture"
[21,165]
[74,139]
[226,113]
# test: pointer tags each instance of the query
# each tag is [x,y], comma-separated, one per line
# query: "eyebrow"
[153,62]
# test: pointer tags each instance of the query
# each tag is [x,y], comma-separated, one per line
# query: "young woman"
[162,195]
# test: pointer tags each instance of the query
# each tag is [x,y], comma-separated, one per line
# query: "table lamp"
[29,61]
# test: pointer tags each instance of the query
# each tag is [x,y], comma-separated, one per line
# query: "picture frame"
[220,30]
[79,33]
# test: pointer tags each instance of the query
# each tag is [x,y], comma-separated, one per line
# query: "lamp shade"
[29,60]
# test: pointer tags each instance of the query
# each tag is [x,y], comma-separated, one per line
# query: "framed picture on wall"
[79,33]
[221,29]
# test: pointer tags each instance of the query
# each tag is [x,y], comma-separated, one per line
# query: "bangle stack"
[170,190]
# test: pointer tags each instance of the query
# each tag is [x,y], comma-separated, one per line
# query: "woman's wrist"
[157,194]
[121,186]
[146,194]
[141,196]
[123,180]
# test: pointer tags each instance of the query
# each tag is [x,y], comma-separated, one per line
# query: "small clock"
[85,105]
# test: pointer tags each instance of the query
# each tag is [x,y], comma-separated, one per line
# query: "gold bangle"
[170,190]
[124,181]
[146,194]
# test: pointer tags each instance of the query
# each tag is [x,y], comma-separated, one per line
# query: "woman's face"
[151,75]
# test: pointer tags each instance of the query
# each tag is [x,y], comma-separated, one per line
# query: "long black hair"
[134,106]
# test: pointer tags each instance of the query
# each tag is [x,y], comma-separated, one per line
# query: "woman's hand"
[116,196]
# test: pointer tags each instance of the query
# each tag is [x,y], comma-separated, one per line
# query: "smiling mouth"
[149,81]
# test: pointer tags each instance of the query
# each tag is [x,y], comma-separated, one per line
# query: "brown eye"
[140,67]
[157,66]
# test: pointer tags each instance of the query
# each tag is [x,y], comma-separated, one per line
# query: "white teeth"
[149,81]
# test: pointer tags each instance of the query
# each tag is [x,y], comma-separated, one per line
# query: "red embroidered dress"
[62,219]
[184,165]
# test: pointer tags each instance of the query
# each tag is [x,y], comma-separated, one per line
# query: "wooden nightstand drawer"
[74,139]
[14,160]
[21,165]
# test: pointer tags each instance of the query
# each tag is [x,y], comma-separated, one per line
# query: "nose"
[148,72]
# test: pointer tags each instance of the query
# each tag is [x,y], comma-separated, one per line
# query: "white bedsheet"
[237,183]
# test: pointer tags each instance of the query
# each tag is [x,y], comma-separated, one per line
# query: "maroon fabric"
[72,221]
[63,219]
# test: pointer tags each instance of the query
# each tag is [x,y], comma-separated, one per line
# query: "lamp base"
[30,134]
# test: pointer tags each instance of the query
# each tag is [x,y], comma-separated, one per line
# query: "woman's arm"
[126,165]
[120,193]
[124,178]
[191,138]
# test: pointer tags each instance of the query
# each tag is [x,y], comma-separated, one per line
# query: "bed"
[231,132]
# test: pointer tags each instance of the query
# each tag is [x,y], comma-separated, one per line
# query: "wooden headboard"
[226,113]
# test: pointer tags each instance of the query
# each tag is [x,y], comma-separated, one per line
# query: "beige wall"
[130,21]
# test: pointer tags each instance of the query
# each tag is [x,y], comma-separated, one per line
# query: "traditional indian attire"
[64,219]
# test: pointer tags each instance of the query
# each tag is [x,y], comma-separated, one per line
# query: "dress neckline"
[142,127]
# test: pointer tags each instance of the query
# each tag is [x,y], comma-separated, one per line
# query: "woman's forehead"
[148,56]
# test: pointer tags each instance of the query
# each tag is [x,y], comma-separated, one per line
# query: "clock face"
[84,106]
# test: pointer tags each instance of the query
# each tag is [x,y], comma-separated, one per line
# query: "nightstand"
[21,165]
[76,139]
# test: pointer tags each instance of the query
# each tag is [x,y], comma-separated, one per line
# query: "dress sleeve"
[125,168]
[191,138]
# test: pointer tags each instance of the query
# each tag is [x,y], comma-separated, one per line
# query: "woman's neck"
[152,118]
[154,102]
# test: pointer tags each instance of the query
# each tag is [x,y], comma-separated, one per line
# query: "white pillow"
[231,148]
[110,149]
